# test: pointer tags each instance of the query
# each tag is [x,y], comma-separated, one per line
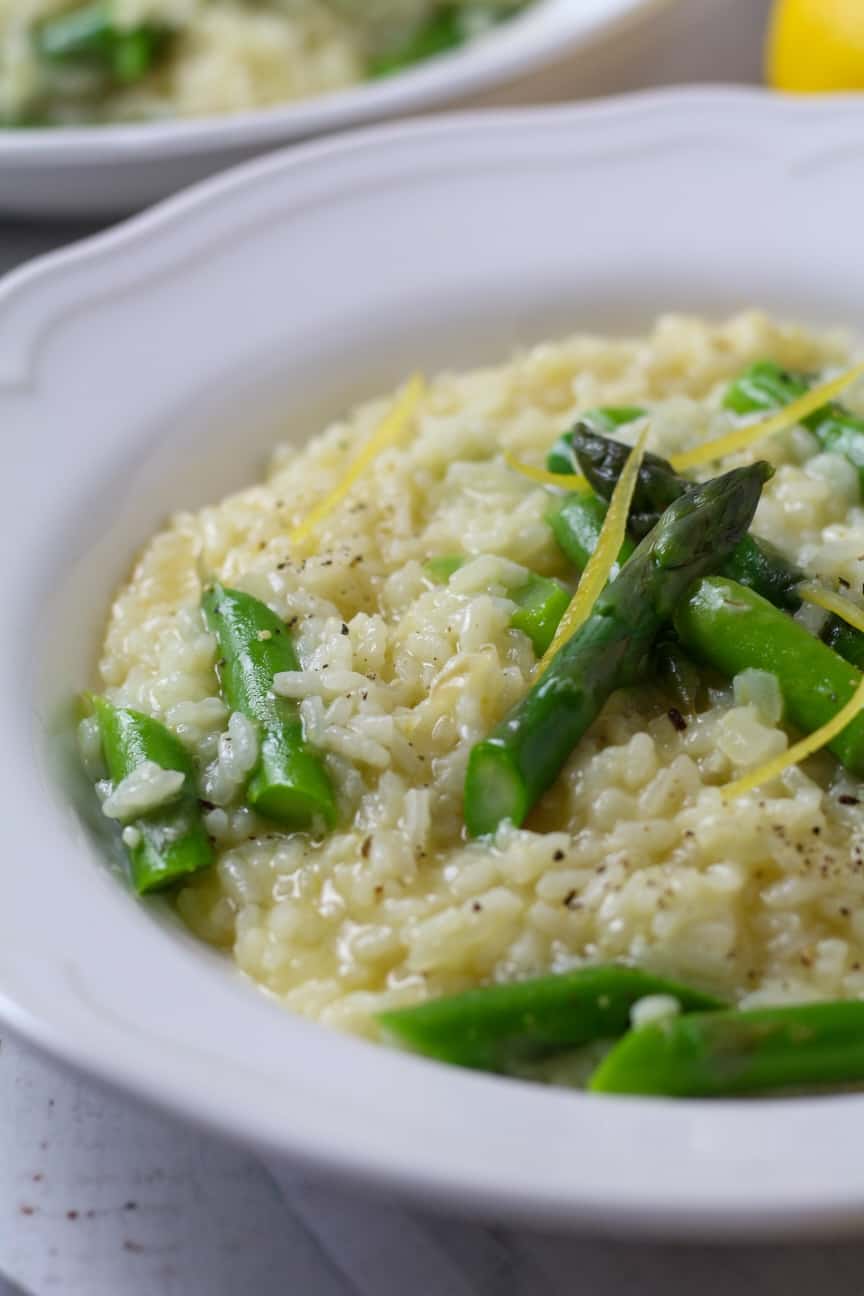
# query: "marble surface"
[102,1198]
[98,1198]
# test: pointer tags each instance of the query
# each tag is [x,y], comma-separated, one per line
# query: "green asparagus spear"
[508,771]
[733,628]
[846,641]
[441,32]
[678,673]
[540,605]
[588,448]
[603,420]
[88,37]
[498,1026]
[441,569]
[753,562]
[447,28]
[766,386]
[719,1055]
[602,459]
[576,520]
[31,117]
[289,783]
[540,601]
[169,842]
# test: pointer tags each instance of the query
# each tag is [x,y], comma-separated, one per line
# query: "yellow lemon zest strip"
[393,425]
[744,437]
[604,557]
[568,481]
[801,750]
[844,608]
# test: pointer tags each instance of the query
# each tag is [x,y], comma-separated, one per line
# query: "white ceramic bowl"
[153,368]
[108,170]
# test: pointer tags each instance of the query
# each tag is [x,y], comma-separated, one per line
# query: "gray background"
[100,1198]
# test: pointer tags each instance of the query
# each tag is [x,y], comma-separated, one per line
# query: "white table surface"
[102,1198]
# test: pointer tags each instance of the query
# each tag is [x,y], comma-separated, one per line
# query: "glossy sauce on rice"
[631,855]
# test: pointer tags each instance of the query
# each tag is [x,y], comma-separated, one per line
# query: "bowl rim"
[539,36]
[691,1207]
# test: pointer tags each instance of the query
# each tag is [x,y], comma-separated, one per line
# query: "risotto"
[394,596]
[122,60]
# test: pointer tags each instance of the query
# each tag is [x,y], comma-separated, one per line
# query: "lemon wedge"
[816,45]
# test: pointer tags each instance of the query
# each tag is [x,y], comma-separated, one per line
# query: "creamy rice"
[631,855]
[227,55]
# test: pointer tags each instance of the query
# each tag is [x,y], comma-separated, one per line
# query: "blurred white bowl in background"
[110,170]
